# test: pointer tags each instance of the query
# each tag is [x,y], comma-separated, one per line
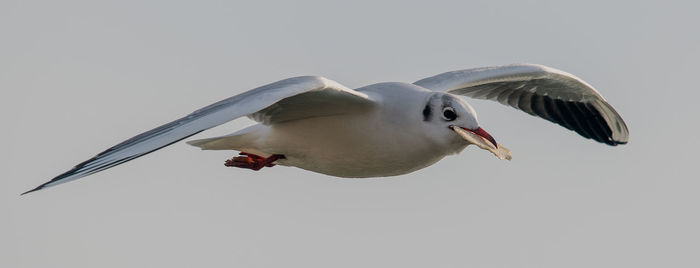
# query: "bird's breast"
[354,146]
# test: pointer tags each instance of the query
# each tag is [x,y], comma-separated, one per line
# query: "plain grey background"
[80,76]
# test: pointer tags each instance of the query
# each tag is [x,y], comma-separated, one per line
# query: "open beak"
[483,134]
[483,140]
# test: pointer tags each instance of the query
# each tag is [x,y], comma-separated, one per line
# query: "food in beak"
[483,140]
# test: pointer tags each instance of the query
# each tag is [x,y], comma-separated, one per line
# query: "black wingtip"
[33,190]
[616,143]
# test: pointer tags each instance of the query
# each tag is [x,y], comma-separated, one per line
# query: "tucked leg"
[252,161]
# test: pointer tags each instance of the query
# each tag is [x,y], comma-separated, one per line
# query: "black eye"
[448,113]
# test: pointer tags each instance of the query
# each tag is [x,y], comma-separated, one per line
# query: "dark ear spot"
[427,112]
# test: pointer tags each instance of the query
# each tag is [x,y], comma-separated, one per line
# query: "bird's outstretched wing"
[285,100]
[540,91]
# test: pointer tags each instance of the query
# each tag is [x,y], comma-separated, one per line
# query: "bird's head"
[452,122]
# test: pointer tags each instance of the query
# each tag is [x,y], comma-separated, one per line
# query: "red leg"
[252,161]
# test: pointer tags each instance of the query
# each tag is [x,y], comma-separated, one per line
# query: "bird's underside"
[384,129]
[331,145]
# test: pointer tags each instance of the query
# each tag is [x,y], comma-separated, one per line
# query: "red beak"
[482,133]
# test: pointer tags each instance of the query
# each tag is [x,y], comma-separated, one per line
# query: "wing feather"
[540,91]
[296,90]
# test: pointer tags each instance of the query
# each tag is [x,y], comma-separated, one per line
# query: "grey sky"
[80,76]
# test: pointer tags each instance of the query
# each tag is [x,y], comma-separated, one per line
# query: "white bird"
[384,129]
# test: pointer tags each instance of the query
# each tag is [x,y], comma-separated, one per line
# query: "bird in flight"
[384,129]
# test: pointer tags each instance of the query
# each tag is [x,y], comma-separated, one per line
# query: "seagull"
[380,130]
